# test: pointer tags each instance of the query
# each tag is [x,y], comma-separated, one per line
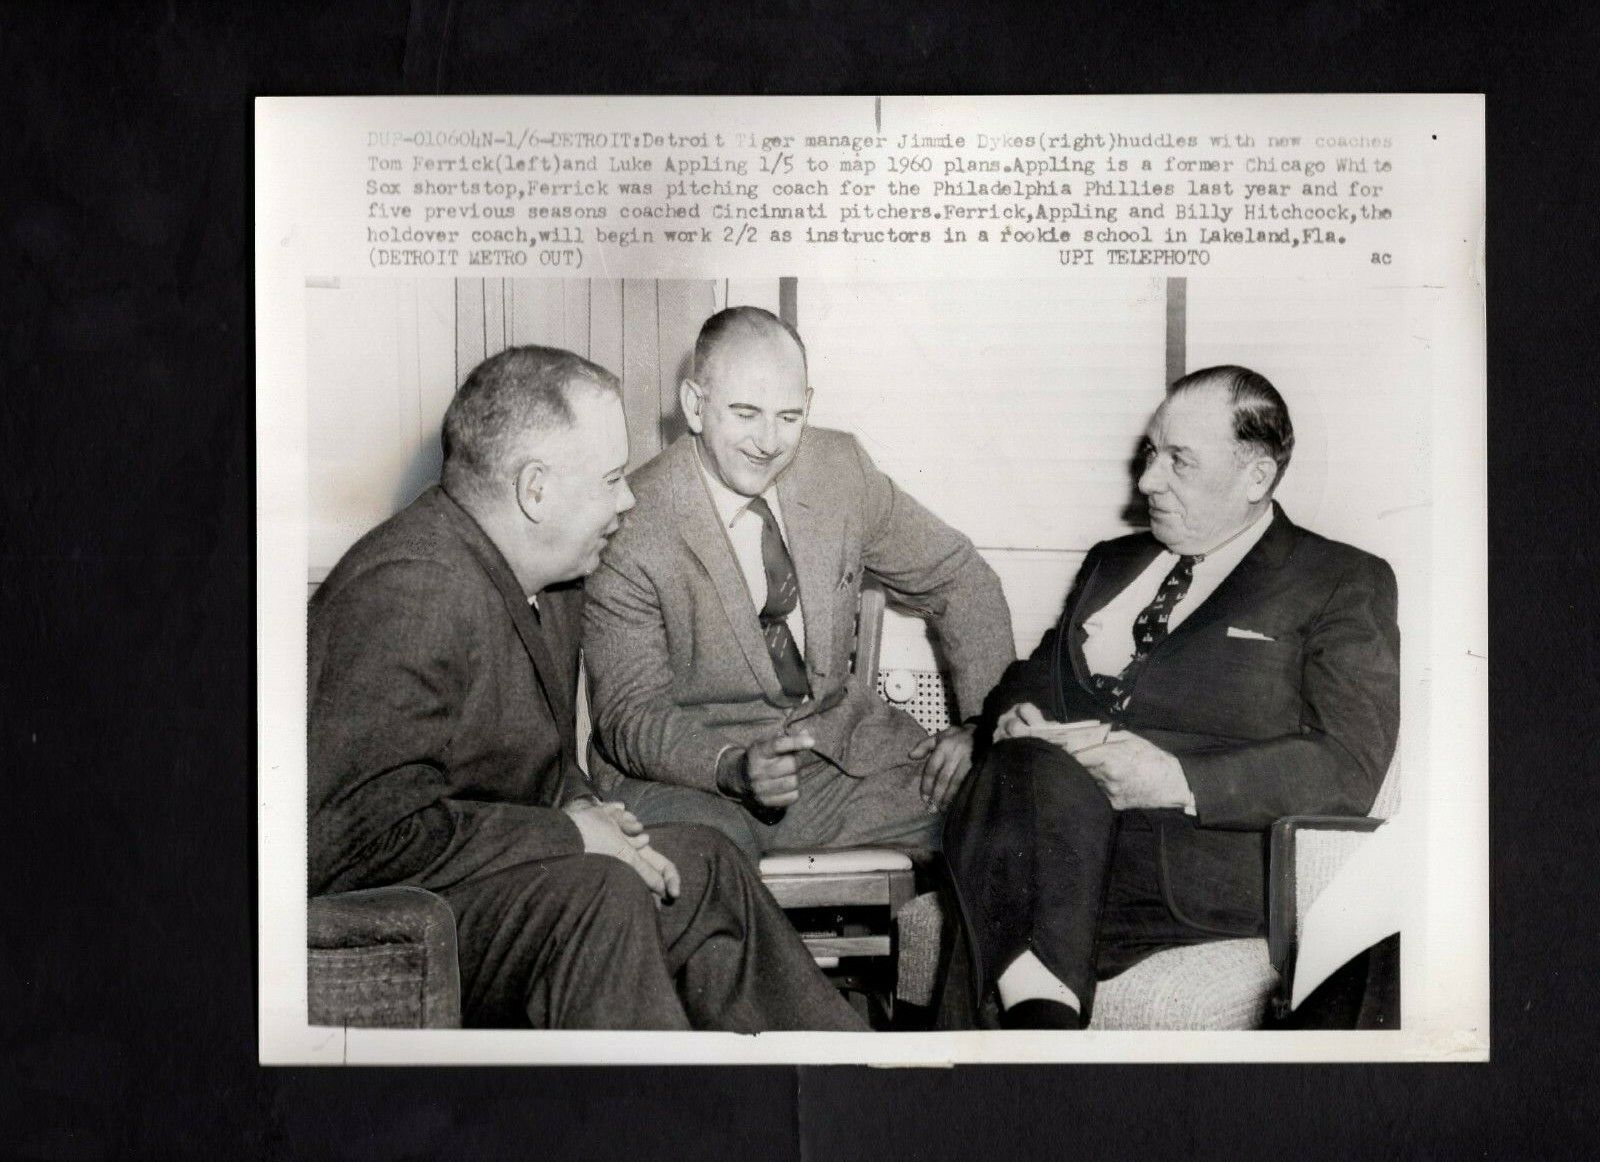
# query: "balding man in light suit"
[721,623]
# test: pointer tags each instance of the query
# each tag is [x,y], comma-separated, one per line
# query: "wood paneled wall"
[642,329]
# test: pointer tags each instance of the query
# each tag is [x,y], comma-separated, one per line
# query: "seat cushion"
[840,861]
[1226,984]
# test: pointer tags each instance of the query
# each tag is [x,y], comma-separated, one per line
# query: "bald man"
[721,624]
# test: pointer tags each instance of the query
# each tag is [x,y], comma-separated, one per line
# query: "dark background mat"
[127,700]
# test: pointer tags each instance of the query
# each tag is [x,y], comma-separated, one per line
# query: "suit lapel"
[550,675]
[814,533]
[505,582]
[702,532]
[1114,571]
[1234,592]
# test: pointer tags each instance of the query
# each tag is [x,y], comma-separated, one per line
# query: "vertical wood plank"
[1177,328]
[408,361]
[538,312]
[494,315]
[605,324]
[789,301]
[419,411]
[754,292]
[641,371]
[575,294]
[435,366]
[685,305]
[361,410]
[469,325]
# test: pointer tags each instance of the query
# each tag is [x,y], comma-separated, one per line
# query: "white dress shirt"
[1108,646]
[744,534]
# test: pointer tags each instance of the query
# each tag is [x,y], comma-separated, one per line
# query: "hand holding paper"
[1025,720]
[1135,773]
[1072,737]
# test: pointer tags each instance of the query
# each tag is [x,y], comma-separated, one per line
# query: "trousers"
[834,810]
[1042,862]
[579,942]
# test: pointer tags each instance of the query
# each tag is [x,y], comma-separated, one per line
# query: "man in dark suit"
[442,679]
[1249,669]
[722,620]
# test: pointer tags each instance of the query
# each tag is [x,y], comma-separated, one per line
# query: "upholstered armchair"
[1226,984]
[1239,984]
[385,957]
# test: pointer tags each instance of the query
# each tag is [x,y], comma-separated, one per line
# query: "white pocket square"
[1249,634]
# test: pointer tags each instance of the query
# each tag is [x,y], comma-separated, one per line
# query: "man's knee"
[657,804]
[698,837]
[1026,752]
[1015,762]
[703,845]
[608,886]
[1033,767]
[572,895]
[711,814]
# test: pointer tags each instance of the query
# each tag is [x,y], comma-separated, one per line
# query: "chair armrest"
[1305,853]
[392,915]
[383,956]
[869,635]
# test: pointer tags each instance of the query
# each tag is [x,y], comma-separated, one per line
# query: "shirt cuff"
[717,766]
[1189,807]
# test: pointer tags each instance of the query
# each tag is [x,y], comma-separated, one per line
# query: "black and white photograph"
[1019,575]
[893,658]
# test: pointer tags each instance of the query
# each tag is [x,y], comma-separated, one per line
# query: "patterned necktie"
[1149,630]
[783,594]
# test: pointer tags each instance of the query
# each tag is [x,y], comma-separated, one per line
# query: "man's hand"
[949,755]
[611,829]
[769,772]
[1018,720]
[1135,773]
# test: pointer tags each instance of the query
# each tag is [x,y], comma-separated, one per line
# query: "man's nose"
[625,499]
[1151,478]
[767,438]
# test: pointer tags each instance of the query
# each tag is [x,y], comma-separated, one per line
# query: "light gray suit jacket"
[677,663]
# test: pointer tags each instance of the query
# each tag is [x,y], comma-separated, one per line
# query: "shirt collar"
[728,503]
[1224,559]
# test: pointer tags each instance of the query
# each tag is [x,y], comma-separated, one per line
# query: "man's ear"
[692,399]
[532,478]
[1259,477]
[806,414]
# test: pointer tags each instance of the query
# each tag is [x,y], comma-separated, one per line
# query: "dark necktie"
[783,594]
[1149,631]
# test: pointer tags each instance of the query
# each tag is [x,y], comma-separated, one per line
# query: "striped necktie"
[783,594]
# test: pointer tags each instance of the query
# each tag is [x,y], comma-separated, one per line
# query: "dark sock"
[1039,1013]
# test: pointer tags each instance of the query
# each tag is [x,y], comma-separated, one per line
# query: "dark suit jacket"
[1303,724]
[440,710]
[675,654]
